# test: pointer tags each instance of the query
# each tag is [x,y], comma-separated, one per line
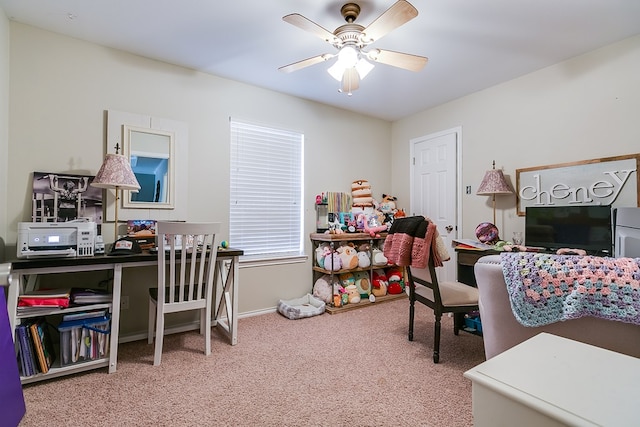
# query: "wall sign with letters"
[609,181]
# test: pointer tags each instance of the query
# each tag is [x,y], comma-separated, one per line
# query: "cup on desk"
[517,238]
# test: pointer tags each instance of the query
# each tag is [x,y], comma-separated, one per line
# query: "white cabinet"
[553,381]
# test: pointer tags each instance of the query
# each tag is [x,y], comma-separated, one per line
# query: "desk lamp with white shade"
[116,173]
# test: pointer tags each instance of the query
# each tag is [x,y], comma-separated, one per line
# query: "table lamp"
[494,183]
[116,172]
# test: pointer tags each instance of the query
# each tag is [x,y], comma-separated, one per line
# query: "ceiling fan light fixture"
[350,81]
[353,64]
[348,56]
[336,71]
[363,67]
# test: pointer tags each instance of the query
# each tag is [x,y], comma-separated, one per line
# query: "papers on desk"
[472,244]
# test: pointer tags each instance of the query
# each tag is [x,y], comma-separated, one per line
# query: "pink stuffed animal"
[373,228]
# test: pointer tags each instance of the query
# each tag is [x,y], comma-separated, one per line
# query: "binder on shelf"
[26,349]
[45,298]
[23,349]
[43,344]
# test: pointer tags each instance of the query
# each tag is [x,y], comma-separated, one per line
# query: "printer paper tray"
[52,253]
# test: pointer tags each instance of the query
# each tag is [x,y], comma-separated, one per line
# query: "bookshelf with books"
[61,331]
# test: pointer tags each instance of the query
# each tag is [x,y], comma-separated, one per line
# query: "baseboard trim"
[184,327]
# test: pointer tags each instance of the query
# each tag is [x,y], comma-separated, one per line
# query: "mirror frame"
[129,138]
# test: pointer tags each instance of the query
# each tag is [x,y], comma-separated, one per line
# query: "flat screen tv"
[576,227]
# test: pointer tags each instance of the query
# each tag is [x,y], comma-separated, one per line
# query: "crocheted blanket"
[546,288]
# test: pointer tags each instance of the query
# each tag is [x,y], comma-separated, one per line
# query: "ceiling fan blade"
[310,26]
[398,59]
[306,63]
[399,13]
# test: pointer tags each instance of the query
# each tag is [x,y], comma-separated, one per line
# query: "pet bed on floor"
[299,308]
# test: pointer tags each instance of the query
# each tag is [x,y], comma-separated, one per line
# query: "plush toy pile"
[367,215]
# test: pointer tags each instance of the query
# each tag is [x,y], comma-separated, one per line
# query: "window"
[266,212]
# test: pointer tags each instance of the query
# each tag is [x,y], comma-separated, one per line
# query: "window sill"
[261,262]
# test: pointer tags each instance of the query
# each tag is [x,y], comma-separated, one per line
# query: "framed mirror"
[151,153]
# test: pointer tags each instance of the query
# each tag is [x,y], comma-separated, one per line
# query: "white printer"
[60,239]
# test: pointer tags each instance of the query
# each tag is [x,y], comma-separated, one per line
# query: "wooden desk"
[25,271]
[467,258]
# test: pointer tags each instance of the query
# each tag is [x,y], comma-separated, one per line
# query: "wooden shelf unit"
[358,238]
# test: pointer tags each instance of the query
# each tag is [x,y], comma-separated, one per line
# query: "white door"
[434,171]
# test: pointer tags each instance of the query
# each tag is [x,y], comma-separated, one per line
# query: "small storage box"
[84,340]
[473,323]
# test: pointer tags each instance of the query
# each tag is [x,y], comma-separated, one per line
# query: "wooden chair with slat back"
[445,297]
[186,265]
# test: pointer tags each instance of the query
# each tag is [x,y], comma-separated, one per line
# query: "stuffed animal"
[321,252]
[371,224]
[323,288]
[400,214]
[332,262]
[348,257]
[363,284]
[377,258]
[354,295]
[388,204]
[396,281]
[361,193]
[347,279]
[335,227]
[363,259]
[379,283]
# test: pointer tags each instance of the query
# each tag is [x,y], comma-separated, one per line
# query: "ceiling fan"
[352,40]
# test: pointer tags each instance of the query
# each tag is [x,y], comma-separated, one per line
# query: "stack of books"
[90,296]
[35,347]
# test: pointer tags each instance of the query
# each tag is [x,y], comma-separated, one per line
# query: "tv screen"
[576,227]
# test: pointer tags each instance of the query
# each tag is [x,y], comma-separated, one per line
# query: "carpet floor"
[355,368]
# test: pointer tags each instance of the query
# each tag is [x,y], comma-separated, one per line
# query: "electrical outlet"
[124,302]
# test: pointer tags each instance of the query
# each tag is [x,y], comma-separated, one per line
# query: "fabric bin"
[84,340]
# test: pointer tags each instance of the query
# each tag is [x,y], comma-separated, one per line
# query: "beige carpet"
[355,368]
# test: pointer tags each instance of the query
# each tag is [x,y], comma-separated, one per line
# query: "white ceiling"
[471,44]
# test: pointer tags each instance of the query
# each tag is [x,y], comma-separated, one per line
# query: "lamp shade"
[116,172]
[494,183]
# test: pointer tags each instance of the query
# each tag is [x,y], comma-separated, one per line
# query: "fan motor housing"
[350,12]
[350,34]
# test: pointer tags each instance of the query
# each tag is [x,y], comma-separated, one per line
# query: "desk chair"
[185,276]
[446,297]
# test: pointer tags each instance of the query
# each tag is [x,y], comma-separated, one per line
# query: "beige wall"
[584,108]
[60,88]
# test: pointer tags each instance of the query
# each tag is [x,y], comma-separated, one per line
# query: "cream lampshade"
[494,183]
[116,173]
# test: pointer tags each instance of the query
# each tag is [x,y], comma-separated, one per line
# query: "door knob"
[449,228]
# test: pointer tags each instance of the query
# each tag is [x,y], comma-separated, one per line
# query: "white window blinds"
[265,214]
